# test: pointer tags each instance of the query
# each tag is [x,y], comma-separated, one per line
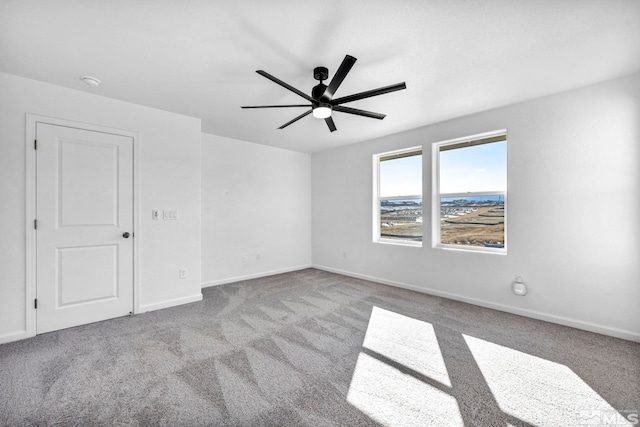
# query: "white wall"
[169,171]
[255,200]
[573,206]
[573,231]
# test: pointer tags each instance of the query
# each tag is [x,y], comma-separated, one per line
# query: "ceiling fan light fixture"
[322,111]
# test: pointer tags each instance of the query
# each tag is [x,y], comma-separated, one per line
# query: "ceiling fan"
[321,99]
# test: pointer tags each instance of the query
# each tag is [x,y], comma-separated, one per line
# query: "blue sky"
[471,169]
[401,177]
[476,168]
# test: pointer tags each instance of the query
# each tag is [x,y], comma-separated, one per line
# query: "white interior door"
[84,234]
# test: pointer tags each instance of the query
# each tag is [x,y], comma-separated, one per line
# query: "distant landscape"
[401,219]
[473,221]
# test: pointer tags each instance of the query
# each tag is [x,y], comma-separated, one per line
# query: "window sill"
[396,242]
[477,249]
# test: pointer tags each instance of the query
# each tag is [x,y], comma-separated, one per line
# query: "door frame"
[32,121]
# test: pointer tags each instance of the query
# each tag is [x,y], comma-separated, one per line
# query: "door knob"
[126,234]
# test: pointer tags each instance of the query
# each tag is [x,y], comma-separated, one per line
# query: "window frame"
[376,199]
[436,219]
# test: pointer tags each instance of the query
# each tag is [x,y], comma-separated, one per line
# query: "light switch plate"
[170,214]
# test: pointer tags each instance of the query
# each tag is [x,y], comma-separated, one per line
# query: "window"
[398,197]
[470,192]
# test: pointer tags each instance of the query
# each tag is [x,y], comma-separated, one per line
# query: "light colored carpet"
[311,348]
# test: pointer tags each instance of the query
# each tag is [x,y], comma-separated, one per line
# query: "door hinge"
[35,303]
[35,144]
[35,224]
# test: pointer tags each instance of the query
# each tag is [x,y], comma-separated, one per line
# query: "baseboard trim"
[254,276]
[552,318]
[14,336]
[170,303]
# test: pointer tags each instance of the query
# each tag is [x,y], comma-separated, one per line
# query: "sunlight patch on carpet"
[388,384]
[410,342]
[393,398]
[536,390]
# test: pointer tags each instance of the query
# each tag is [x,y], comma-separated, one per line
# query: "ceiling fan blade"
[369,93]
[296,119]
[339,76]
[329,122]
[359,112]
[285,85]
[277,106]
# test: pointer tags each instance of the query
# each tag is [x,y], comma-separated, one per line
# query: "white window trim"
[435,196]
[376,199]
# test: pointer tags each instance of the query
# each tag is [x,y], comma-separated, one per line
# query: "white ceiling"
[199,58]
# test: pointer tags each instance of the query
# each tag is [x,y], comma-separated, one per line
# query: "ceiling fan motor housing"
[318,91]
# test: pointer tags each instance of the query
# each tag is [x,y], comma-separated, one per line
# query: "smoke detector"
[91,81]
